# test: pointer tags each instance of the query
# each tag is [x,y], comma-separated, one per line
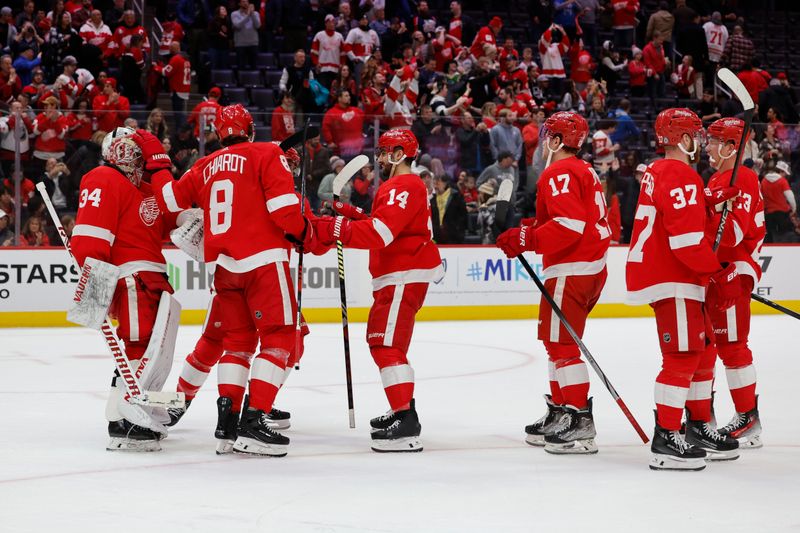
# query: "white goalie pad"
[93,294]
[157,360]
[188,236]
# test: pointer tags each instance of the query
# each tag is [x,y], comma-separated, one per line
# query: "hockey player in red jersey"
[208,351]
[403,262]
[118,222]
[572,234]
[670,266]
[249,205]
[741,241]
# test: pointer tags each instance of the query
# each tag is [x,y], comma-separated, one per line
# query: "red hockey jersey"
[398,234]
[572,232]
[119,223]
[744,229]
[247,195]
[179,75]
[669,256]
[207,109]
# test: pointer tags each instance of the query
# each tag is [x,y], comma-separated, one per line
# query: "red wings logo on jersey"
[148,211]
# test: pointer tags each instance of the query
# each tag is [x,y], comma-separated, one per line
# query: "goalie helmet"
[234,121]
[399,138]
[109,138]
[672,124]
[727,130]
[571,127]
[125,155]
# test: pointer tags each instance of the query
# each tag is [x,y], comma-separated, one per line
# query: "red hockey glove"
[350,211]
[724,287]
[305,242]
[716,196]
[517,240]
[155,158]
[331,229]
[527,222]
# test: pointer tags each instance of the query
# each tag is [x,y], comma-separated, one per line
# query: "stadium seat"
[265,60]
[250,78]
[263,133]
[223,78]
[287,59]
[272,78]
[262,98]
[237,95]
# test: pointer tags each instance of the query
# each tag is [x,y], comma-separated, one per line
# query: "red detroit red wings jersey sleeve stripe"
[572,232]
[249,204]
[745,229]
[669,256]
[398,234]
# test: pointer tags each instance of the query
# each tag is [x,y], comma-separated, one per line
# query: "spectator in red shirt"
[173,31]
[372,96]
[581,64]
[206,109]
[486,35]
[779,204]
[656,65]
[283,118]
[179,77]
[624,22]
[50,129]
[638,75]
[343,126]
[33,234]
[10,84]
[110,108]
[80,123]
[752,80]
[121,41]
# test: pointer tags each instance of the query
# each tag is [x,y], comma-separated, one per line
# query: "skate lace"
[386,416]
[736,422]
[678,441]
[563,423]
[712,433]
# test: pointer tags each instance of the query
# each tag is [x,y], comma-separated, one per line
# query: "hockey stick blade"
[504,193]
[349,170]
[736,86]
[298,137]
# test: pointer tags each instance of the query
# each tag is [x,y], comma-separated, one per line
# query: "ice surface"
[478,384]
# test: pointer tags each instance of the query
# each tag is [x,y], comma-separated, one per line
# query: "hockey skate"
[126,436]
[227,421]
[176,413]
[278,419]
[536,432]
[401,435]
[383,421]
[745,428]
[672,452]
[718,447]
[574,432]
[256,437]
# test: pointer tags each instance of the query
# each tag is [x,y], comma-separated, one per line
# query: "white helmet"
[117,133]
[126,156]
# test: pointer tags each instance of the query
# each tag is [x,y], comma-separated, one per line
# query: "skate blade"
[118,444]
[535,440]
[576,447]
[224,446]
[406,444]
[668,462]
[716,455]
[254,447]
[752,442]
[279,424]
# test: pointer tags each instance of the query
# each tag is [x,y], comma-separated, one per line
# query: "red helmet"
[404,139]
[570,126]
[293,157]
[234,121]
[727,130]
[672,124]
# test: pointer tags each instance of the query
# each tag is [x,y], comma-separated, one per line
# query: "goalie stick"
[341,179]
[501,210]
[134,388]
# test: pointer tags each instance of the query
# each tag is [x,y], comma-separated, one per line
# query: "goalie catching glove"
[155,158]
[517,240]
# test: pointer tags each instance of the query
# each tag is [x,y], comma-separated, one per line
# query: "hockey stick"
[776,306]
[737,87]
[299,137]
[341,179]
[504,195]
[298,339]
[135,392]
